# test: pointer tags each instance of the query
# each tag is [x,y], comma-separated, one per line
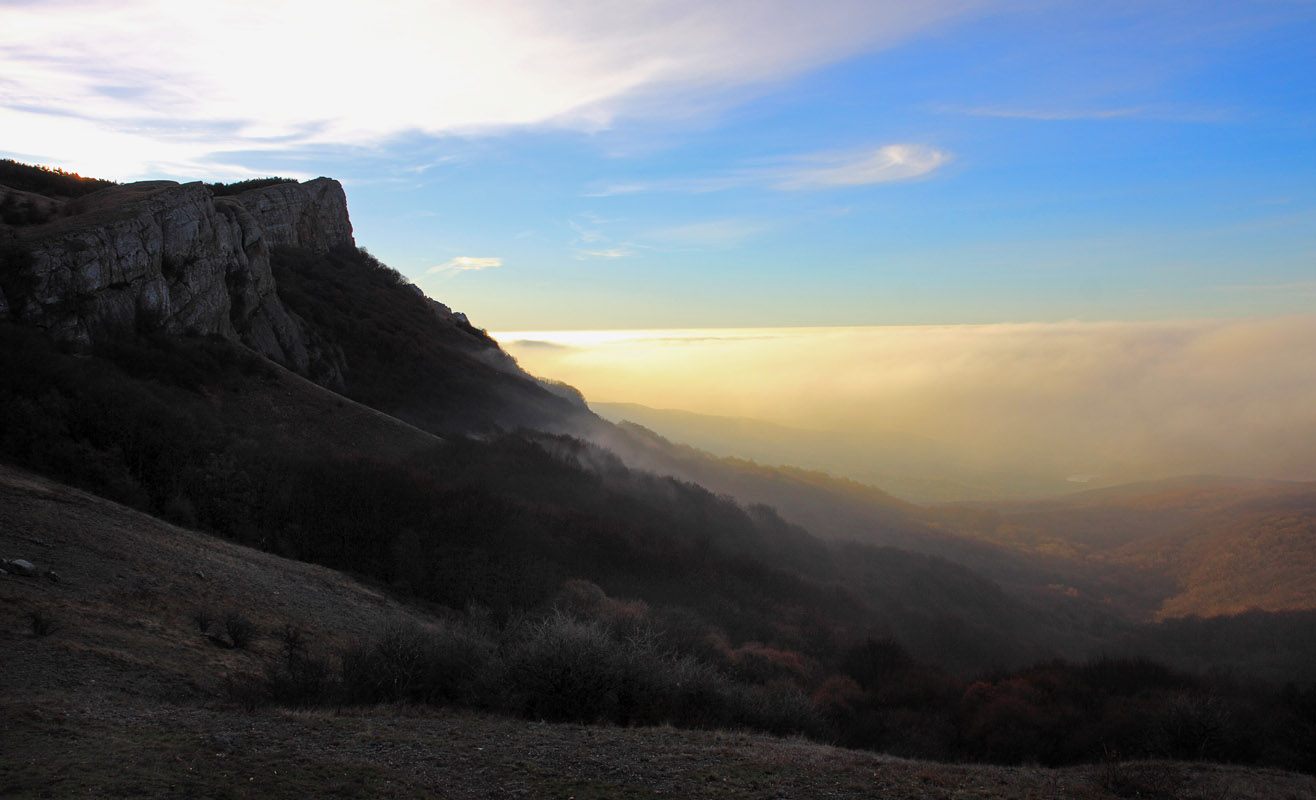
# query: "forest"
[576,587]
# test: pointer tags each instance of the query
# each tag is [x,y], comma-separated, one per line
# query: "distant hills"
[1221,545]
[230,361]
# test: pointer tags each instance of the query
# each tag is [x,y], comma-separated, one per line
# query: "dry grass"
[126,697]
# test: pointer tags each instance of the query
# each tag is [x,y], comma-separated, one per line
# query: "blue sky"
[666,164]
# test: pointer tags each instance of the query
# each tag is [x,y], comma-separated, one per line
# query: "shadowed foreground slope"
[120,695]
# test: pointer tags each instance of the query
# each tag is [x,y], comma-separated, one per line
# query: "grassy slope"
[125,697]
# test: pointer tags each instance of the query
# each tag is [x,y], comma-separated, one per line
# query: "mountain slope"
[405,354]
[124,695]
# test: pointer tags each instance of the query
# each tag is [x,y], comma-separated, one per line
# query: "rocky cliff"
[158,255]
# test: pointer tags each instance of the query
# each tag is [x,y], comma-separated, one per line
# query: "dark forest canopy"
[47,181]
[237,187]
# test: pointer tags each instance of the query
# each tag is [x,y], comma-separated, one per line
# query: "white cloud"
[194,79]
[880,164]
[894,162]
[464,263]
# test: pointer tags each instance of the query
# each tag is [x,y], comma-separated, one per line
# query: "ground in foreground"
[109,689]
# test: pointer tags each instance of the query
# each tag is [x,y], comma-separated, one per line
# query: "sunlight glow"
[1127,400]
[184,77]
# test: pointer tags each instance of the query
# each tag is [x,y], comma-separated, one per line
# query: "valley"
[284,490]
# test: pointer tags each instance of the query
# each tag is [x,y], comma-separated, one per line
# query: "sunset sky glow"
[1081,235]
[684,164]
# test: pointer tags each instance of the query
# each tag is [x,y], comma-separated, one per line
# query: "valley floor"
[108,689]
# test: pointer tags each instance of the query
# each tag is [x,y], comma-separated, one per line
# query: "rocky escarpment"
[162,256]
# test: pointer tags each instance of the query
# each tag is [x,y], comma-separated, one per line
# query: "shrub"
[779,709]
[563,669]
[452,663]
[301,679]
[240,630]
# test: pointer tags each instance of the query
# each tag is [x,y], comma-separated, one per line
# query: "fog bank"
[1095,402]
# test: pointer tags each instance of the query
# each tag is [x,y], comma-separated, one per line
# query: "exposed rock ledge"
[158,255]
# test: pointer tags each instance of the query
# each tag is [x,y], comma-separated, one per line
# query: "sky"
[969,411]
[749,163]
[1005,223]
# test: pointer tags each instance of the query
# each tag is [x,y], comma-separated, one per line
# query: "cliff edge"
[162,256]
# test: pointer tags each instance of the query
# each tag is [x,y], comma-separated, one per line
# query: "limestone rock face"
[163,256]
[311,214]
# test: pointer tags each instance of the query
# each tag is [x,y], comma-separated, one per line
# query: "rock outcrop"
[158,255]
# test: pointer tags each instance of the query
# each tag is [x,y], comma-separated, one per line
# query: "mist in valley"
[940,413]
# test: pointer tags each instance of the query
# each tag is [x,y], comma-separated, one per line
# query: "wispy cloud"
[894,162]
[611,252]
[151,85]
[716,233]
[587,235]
[590,242]
[813,171]
[464,264]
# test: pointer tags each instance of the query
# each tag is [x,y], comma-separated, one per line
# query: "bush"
[449,664]
[301,679]
[240,630]
[563,669]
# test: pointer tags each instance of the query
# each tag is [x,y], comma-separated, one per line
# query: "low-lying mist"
[984,409]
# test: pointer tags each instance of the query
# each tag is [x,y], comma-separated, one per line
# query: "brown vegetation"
[128,698]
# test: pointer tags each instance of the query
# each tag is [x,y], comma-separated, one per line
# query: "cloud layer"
[894,162]
[140,85]
[464,264]
[881,164]
[1124,401]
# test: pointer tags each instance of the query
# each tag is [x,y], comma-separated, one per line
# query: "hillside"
[124,696]
[176,424]
[1216,545]
[568,569]
[265,457]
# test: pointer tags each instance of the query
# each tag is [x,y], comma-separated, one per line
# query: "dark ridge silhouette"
[47,181]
